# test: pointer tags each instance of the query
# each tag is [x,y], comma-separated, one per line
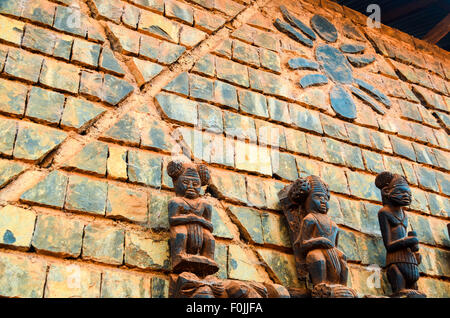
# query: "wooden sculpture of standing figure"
[191,240]
[402,247]
[316,239]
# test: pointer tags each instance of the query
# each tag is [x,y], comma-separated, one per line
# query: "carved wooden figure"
[315,237]
[402,247]
[191,240]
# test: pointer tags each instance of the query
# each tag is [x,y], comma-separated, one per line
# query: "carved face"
[189,184]
[399,194]
[317,202]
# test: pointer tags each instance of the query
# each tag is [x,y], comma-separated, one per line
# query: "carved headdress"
[302,187]
[177,168]
[387,180]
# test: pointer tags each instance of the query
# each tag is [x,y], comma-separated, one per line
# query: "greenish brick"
[224,48]
[239,126]
[358,135]
[13,97]
[250,223]
[268,83]
[363,186]
[123,285]
[352,156]
[19,277]
[79,113]
[266,40]
[444,182]
[125,130]
[179,11]
[425,154]
[333,127]
[270,60]
[334,211]
[307,167]
[85,52]
[64,17]
[130,16]
[380,141]
[255,192]
[16,227]
[230,185]
[158,207]
[283,165]
[178,108]
[271,190]
[51,191]
[270,134]
[225,94]
[179,84]
[440,231]
[220,228]
[146,253]
[439,205]
[58,235]
[34,141]
[169,53]
[348,245]
[253,103]
[442,259]
[92,158]
[393,164]
[103,244]
[221,257]
[107,9]
[60,75]
[442,159]
[351,213]
[409,110]
[39,39]
[156,135]
[9,170]
[63,47]
[371,250]
[14,8]
[232,72]
[109,63]
[115,89]
[334,150]
[86,195]
[335,178]
[39,11]
[23,65]
[160,287]
[403,148]
[369,219]
[427,178]
[278,110]
[125,203]
[245,53]
[409,172]
[201,88]
[419,200]
[316,147]
[296,141]
[305,118]
[421,225]
[144,168]
[373,161]
[144,71]
[207,21]
[205,65]
[282,265]
[275,229]
[210,117]
[3,54]
[190,37]
[91,84]
[45,105]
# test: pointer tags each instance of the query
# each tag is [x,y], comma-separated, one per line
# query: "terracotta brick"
[250,157]
[159,26]
[11,30]
[60,76]
[242,265]
[190,37]
[143,71]
[16,227]
[207,22]
[232,72]
[117,163]
[127,40]
[14,96]
[146,253]
[126,203]
[117,284]
[107,9]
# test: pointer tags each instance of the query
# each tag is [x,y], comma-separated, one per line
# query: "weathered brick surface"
[92,112]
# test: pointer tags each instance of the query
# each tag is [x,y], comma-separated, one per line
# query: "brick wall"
[98,95]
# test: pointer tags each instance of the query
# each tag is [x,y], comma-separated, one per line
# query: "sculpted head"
[313,193]
[394,189]
[188,178]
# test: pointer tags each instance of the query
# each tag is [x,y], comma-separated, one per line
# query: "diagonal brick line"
[75,142]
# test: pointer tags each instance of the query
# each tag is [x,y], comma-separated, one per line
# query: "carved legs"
[209,244]
[403,279]
[178,243]
[317,266]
